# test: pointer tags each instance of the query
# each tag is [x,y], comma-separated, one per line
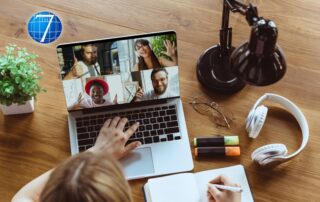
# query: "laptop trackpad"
[138,162]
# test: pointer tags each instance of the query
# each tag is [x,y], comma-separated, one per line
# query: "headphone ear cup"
[256,120]
[249,119]
[268,153]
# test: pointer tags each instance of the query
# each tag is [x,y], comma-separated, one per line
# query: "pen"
[224,187]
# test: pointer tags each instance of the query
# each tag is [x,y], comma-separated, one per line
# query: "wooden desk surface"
[31,144]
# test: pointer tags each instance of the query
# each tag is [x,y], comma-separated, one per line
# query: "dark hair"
[154,71]
[85,45]
[96,83]
[141,64]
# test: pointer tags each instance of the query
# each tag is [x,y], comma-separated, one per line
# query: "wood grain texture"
[31,144]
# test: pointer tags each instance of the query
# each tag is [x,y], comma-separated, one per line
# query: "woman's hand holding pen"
[218,195]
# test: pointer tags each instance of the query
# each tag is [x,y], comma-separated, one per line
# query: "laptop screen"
[120,70]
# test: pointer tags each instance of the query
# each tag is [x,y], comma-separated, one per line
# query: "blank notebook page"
[180,187]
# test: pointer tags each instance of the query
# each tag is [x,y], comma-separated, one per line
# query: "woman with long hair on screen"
[148,60]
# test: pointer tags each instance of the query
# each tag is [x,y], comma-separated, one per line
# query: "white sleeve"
[147,95]
[86,103]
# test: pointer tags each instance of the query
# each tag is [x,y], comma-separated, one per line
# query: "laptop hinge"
[125,106]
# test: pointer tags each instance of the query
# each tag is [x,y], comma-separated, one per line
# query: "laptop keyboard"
[157,124]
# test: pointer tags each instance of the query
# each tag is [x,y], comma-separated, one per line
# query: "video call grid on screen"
[118,71]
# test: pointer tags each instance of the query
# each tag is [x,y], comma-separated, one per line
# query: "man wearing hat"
[96,89]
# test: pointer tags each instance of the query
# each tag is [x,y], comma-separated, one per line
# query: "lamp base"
[214,73]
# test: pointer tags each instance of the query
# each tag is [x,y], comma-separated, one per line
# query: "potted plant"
[19,76]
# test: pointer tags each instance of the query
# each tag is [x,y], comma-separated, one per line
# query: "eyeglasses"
[221,116]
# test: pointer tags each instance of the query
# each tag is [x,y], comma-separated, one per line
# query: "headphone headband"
[294,110]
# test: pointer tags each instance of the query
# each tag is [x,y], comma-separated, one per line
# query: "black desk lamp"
[257,62]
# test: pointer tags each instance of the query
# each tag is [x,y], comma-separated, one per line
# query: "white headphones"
[274,154]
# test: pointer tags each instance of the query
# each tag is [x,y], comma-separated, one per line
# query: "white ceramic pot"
[18,109]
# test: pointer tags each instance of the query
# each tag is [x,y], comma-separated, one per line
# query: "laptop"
[135,77]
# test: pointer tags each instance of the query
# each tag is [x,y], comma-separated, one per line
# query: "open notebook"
[192,187]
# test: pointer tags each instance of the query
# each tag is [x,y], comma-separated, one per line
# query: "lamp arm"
[234,6]
[250,11]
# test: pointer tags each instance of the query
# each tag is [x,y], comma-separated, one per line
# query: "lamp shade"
[260,61]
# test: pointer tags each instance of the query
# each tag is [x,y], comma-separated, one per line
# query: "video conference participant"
[88,66]
[159,78]
[96,89]
[148,60]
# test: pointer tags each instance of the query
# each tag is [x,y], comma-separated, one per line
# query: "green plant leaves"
[19,76]
[17,80]
[158,46]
